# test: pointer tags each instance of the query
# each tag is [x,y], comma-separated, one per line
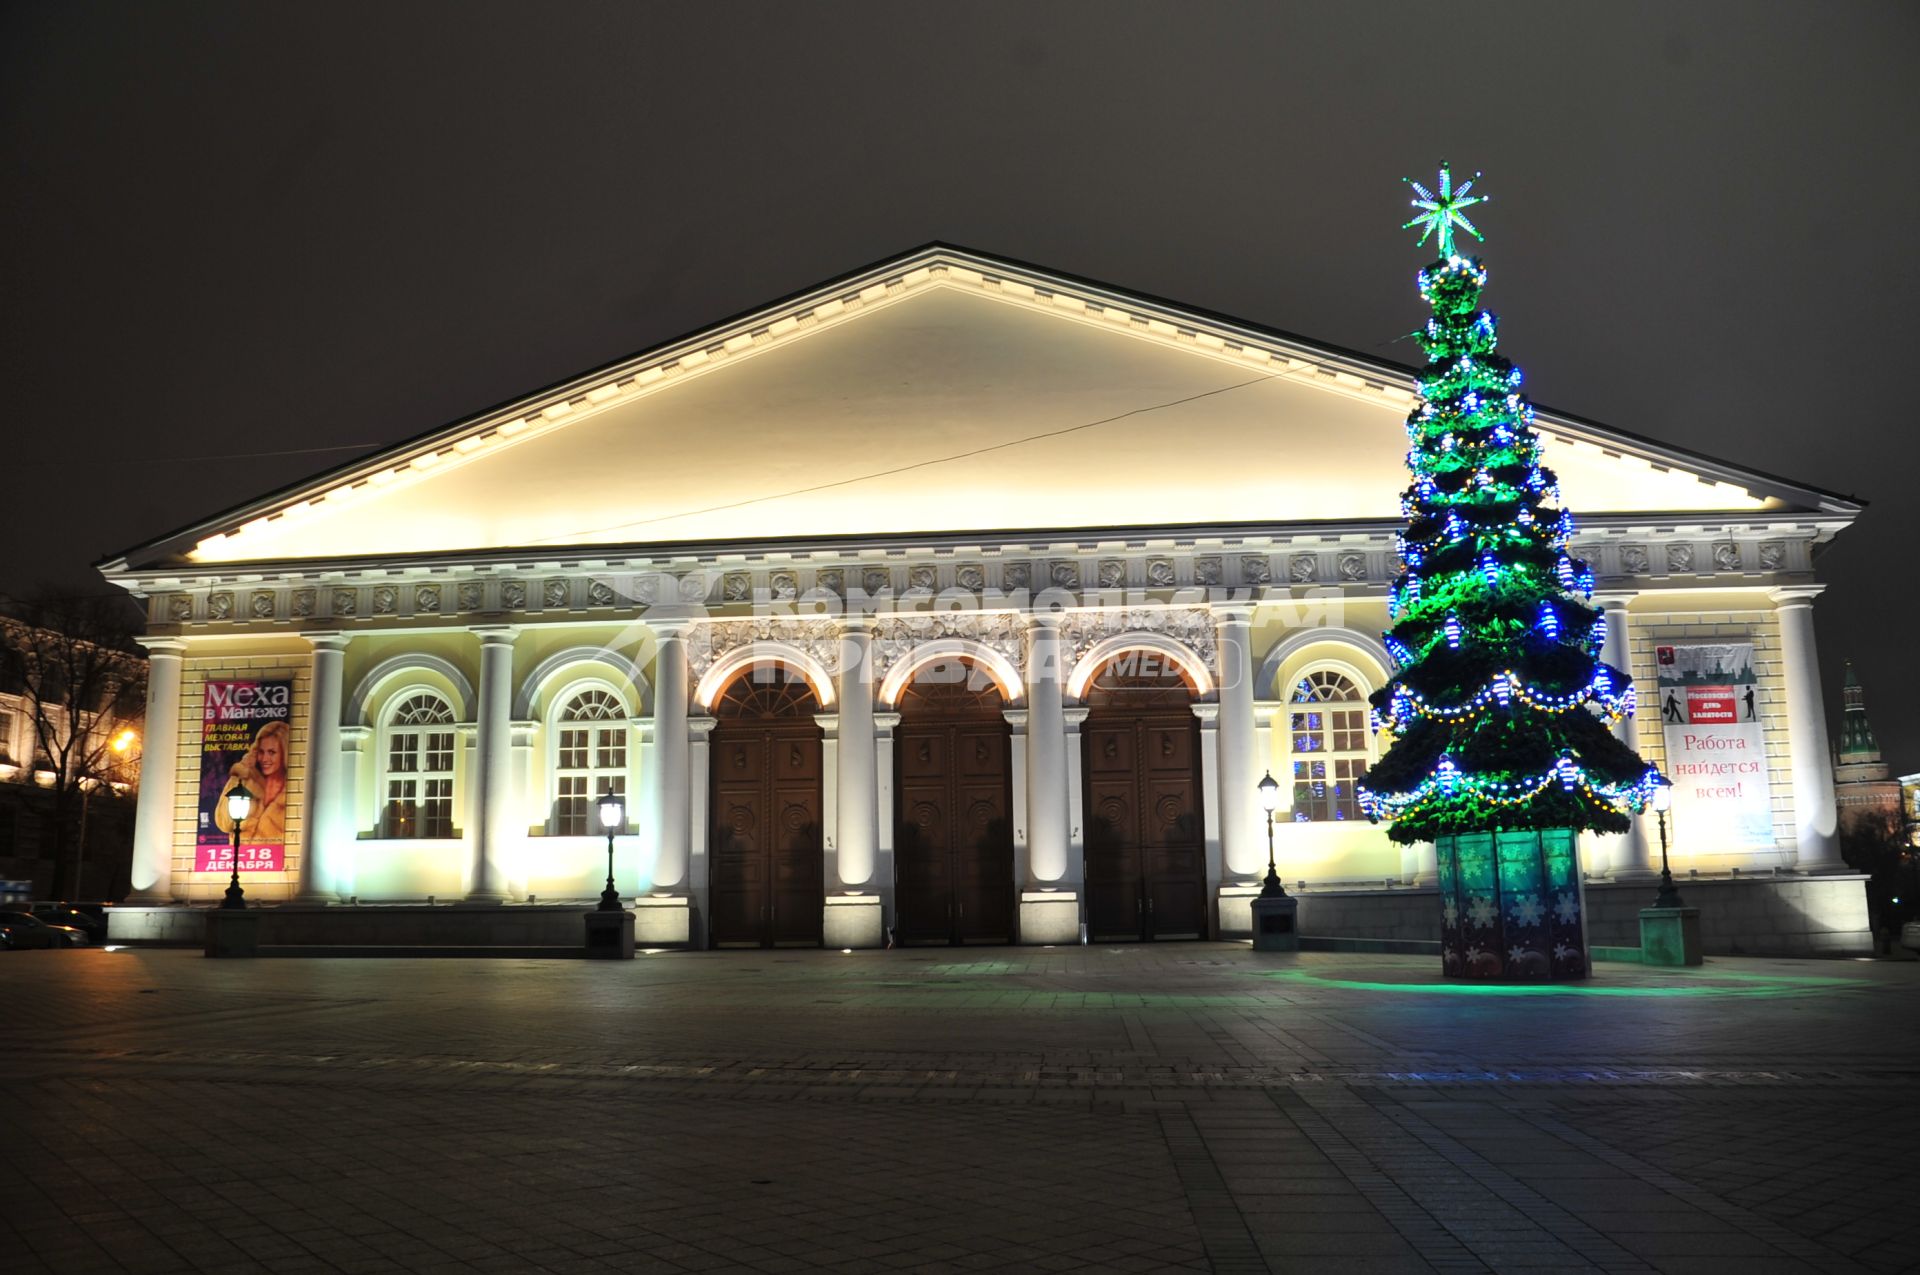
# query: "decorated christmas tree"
[1500,705]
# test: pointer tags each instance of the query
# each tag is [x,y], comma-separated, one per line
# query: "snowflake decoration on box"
[1528,910]
[1567,910]
[1452,912]
[1561,951]
[1481,913]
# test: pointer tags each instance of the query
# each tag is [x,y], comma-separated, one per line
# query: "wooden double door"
[1145,844]
[953,843]
[765,852]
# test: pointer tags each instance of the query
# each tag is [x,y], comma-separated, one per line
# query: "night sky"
[244,242]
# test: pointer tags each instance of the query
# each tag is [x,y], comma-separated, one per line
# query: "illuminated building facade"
[953,597]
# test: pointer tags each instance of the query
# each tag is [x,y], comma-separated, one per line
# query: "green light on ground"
[1716,984]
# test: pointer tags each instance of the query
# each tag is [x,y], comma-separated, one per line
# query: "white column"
[345,865]
[1047,827]
[1632,855]
[493,767]
[1076,798]
[1209,715]
[1244,851]
[324,833]
[699,804]
[829,724]
[159,765]
[884,817]
[1815,811]
[668,790]
[859,817]
[1017,782]
[528,806]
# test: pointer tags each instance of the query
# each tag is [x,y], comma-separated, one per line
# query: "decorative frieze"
[1191,627]
[896,636]
[711,641]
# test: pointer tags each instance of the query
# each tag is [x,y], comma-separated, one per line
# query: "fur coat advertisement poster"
[246,740]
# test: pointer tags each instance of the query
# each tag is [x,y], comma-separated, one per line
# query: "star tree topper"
[1443,211]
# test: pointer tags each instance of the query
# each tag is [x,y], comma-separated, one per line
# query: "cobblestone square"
[1123,1108]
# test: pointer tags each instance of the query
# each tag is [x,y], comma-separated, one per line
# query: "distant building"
[73,838]
[1910,801]
[1862,782]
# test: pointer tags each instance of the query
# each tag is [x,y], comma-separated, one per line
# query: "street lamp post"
[239,806]
[1269,802]
[613,813]
[1669,896]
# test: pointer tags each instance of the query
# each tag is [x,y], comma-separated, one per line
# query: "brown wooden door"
[953,848]
[765,852]
[1145,848]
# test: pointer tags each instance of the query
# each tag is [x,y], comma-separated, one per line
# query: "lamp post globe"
[1668,896]
[613,814]
[1270,888]
[239,807]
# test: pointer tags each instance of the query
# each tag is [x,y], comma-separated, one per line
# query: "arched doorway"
[953,849]
[1145,846]
[766,856]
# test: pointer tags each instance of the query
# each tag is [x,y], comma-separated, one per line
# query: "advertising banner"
[245,740]
[1716,752]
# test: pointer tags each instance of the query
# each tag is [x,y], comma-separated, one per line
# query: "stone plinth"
[610,935]
[1049,916]
[1670,936]
[181,926]
[663,921]
[1236,911]
[1276,923]
[852,920]
[234,932]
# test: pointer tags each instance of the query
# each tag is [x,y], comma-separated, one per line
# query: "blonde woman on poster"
[264,771]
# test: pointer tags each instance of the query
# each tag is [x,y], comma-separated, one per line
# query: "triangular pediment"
[944,391]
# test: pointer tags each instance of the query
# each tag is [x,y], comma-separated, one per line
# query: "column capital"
[161,647]
[1612,599]
[1016,718]
[495,634]
[670,630]
[828,722]
[858,623]
[327,639]
[1047,621]
[354,738]
[698,728]
[1207,713]
[883,723]
[1233,613]
[1074,716]
[1795,595]
[521,733]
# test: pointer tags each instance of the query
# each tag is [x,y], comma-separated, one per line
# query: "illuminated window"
[418,778]
[1328,736]
[591,760]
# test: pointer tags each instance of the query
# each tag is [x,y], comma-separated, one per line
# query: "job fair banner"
[1716,753]
[245,740]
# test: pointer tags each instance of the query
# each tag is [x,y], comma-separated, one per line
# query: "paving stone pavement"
[1128,1108]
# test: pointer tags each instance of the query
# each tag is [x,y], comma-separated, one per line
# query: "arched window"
[591,760]
[418,777]
[1327,730]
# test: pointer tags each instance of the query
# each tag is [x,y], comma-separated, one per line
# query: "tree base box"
[1276,925]
[1512,906]
[610,935]
[1670,936]
[233,932]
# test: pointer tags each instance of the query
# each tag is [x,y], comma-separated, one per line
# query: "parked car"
[24,929]
[90,919]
